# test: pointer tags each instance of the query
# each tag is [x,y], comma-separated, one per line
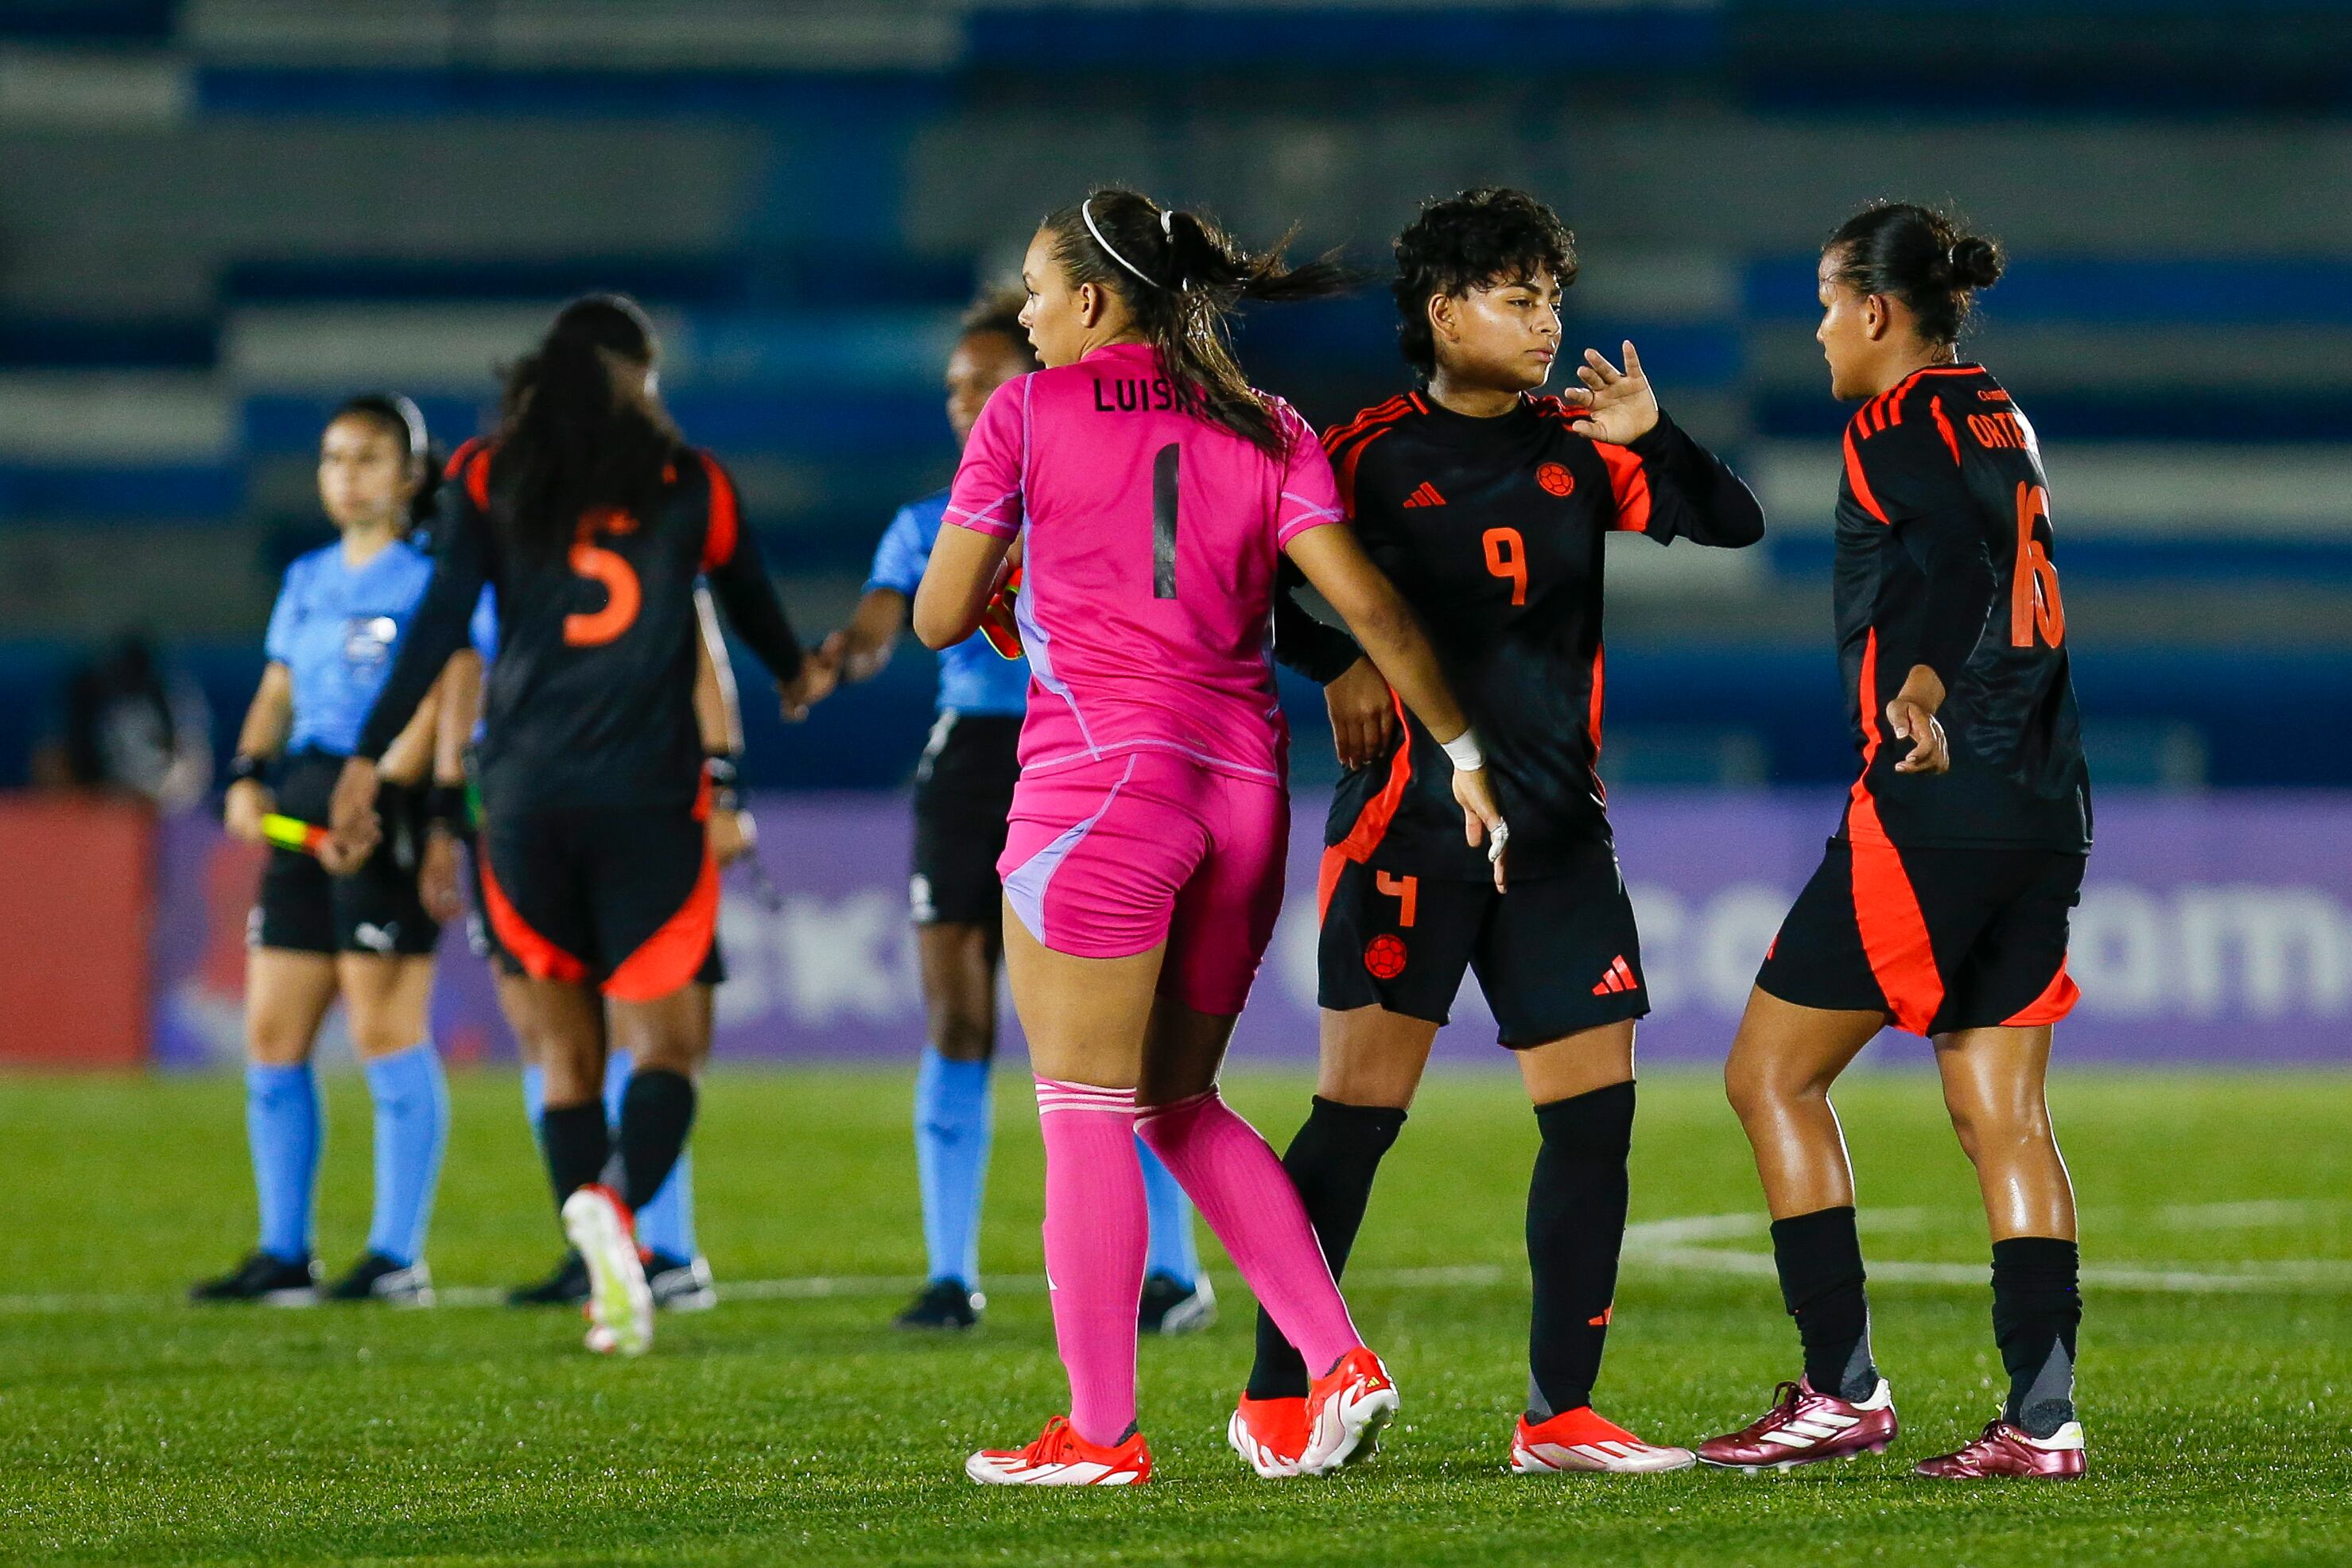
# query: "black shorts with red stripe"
[1937,938]
[1555,955]
[625,898]
[485,942]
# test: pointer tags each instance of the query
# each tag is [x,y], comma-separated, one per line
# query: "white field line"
[1666,1245]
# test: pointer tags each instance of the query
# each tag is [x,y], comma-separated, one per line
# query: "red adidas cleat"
[1346,1408]
[1805,1427]
[1581,1440]
[1060,1457]
[1270,1434]
[2006,1451]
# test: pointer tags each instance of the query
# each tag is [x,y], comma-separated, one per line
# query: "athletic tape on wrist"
[1465,752]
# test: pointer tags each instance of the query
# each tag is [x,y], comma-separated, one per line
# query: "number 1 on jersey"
[1164,466]
[1507,557]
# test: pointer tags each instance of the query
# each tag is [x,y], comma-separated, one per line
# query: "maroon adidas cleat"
[2005,1450]
[1805,1427]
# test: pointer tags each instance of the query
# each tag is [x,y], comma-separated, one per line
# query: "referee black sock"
[1576,1229]
[576,1143]
[1332,1161]
[1820,1259]
[656,1110]
[2037,1304]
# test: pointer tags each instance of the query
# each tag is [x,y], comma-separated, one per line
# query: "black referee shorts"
[1555,954]
[1935,939]
[963,794]
[377,909]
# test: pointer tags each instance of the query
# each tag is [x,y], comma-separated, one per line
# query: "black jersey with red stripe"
[590,701]
[1946,557]
[1493,530]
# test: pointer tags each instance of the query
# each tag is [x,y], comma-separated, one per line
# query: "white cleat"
[620,1305]
[1581,1440]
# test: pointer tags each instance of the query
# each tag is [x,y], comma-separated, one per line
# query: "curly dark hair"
[996,312]
[1474,240]
[1922,256]
[1181,278]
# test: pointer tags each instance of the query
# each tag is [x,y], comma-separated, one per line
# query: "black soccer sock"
[576,1142]
[2037,1305]
[1576,1229]
[1332,1161]
[656,1110]
[1820,1259]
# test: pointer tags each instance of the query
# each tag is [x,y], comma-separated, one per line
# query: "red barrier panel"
[76,893]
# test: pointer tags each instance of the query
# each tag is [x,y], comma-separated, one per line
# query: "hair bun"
[1976,262]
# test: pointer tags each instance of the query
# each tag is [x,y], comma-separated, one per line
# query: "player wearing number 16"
[591,518]
[1942,906]
[1156,493]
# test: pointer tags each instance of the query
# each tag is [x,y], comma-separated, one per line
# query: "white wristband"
[1465,752]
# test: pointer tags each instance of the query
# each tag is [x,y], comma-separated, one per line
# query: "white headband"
[1086,211]
[413,417]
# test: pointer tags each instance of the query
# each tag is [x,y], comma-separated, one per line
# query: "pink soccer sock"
[1094,1236]
[1242,1190]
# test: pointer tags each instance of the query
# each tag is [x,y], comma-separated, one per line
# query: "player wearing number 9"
[1155,491]
[1493,506]
[591,518]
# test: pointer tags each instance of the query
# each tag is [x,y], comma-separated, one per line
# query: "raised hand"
[1617,405]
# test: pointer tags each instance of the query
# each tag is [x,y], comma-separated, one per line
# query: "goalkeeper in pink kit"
[1154,493]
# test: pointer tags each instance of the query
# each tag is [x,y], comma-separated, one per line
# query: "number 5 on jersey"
[623,594]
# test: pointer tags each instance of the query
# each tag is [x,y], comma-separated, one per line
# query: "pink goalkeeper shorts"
[1111,857]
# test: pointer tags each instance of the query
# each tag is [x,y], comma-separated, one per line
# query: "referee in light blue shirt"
[963,791]
[323,927]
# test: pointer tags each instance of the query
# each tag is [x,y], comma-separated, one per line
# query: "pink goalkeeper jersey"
[1147,569]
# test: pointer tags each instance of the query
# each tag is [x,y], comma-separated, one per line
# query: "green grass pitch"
[795,1427]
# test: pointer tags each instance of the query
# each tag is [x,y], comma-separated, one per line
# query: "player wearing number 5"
[1943,903]
[1155,493]
[1491,506]
[593,518]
